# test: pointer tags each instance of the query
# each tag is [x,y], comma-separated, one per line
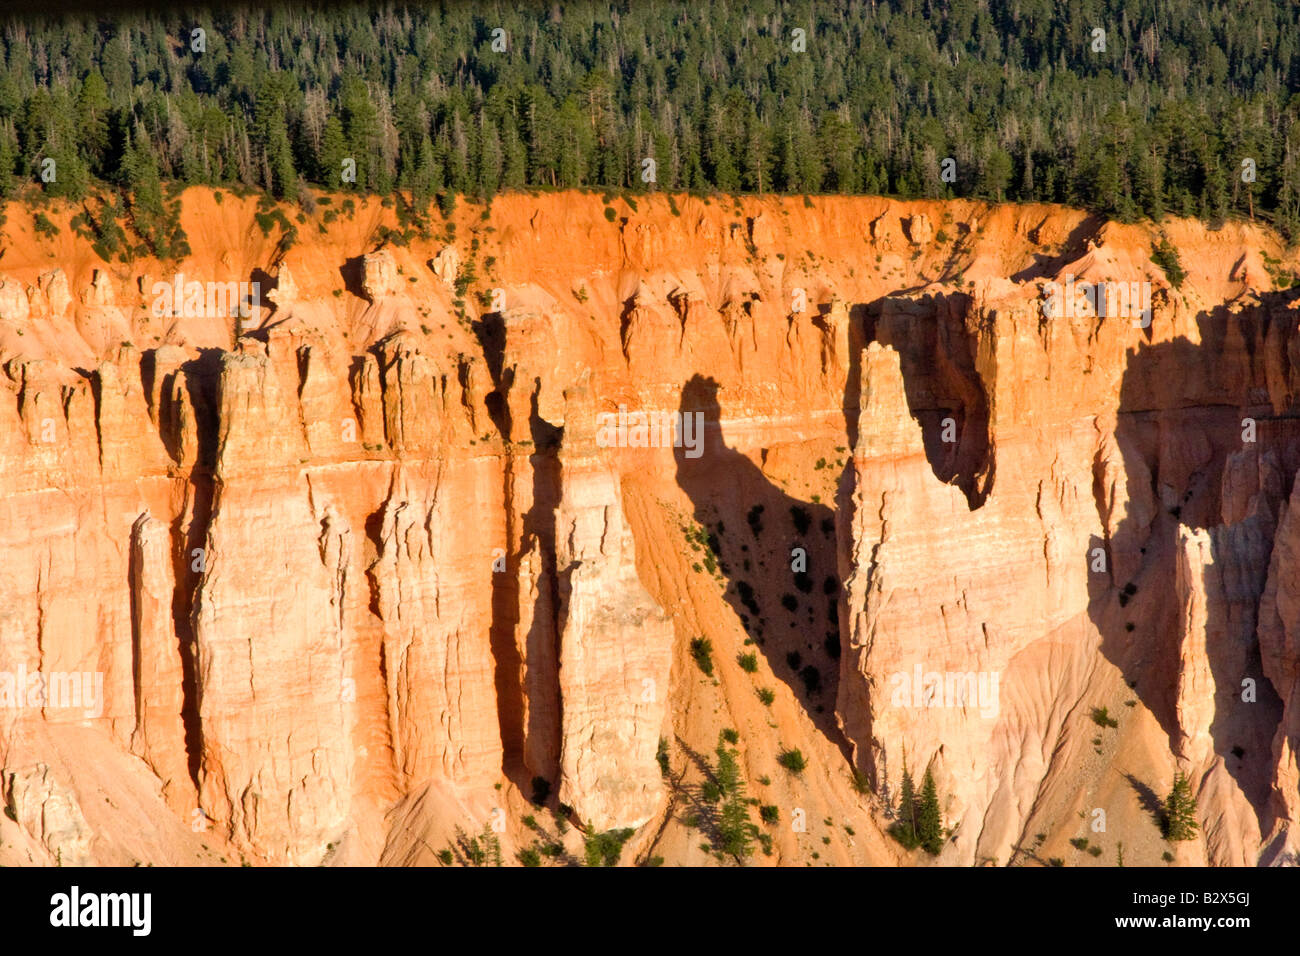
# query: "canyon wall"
[361,572]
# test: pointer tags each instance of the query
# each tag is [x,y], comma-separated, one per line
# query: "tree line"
[1131,108]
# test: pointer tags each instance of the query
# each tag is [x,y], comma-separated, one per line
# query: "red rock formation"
[356,572]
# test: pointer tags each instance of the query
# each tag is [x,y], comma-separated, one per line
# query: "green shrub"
[1102,718]
[748,662]
[793,761]
[1166,257]
[860,782]
[604,849]
[44,227]
[702,654]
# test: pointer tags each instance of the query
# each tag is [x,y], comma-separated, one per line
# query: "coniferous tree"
[1180,811]
[929,821]
[71,178]
[333,151]
[92,120]
[361,131]
[734,827]
[718,98]
[904,829]
[8,154]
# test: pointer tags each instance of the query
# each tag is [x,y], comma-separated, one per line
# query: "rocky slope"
[363,569]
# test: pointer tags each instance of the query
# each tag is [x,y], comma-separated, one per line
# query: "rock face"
[379,275]
[932,606]
[268,635]
[159,734]
[54,285]
[446,265]
[13,300]
[437,653]
[615,642]
[919,230]
[717,483]
[48,810]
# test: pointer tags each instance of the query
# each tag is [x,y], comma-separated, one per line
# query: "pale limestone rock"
[761,233]
[14,305]
[277,722]
[615,644]
[159,734]
[49,812]
[285,292]
[378,274]
[437,650]
[446,265]
[919,230]
[100,294]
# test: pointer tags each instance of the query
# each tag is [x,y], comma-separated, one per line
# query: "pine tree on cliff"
[735,832]
[929,824]
[144,190]
[905,828]
[1180,811]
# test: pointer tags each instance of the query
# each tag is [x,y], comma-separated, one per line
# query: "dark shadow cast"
[352,272]
[1150,803]
[1074,247]
[786,599]
[531,737]
[945,393]
[264,284]
[201,377]
[490,330]
[1179,429]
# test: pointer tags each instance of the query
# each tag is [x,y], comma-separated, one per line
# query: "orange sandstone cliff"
[334,580]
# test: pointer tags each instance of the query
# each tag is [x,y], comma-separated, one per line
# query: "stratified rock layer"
[363,573]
